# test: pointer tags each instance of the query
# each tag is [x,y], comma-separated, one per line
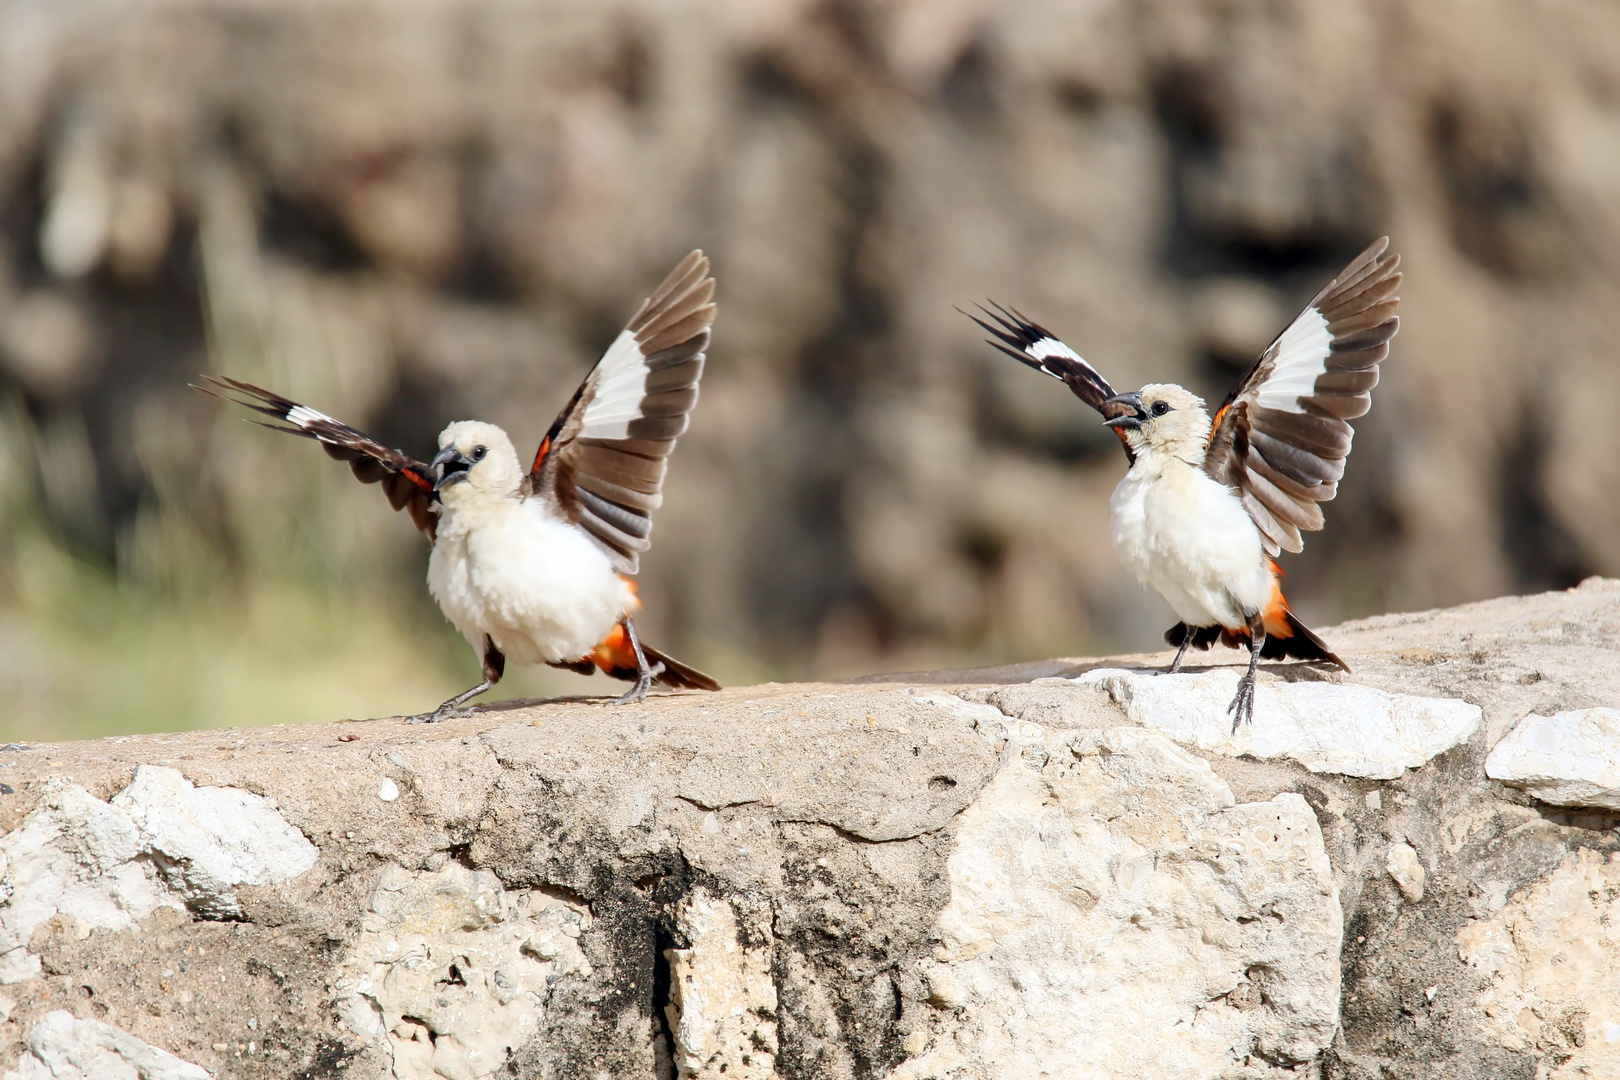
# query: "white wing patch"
[303,416]
[1050,346]
[620,387]
[1302,354]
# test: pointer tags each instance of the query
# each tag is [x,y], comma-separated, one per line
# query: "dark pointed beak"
[1130,414]
[450,467]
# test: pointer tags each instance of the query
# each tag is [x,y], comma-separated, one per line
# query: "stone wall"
[1071,869]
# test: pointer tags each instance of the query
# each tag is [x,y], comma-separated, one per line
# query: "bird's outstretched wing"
[408,483]
[1030,343]
[603,459]
[1280,438]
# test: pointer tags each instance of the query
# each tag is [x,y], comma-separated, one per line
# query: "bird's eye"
[479,452]
[1160,408]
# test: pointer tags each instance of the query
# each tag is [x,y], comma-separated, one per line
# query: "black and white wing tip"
[408,483]
[1023,339]
[1032,344]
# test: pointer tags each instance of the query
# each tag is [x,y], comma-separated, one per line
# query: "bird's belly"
[540,589]
[1190,539]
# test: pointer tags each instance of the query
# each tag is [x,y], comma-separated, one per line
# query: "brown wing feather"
[1281,437]
[603,460]
[408,483]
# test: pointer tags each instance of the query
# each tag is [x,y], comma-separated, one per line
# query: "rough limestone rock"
[1552,957]
[1112,908]
[722,1007]
[965,875]
[64,1048]
[1567,759]
[1326,727]
[160,842]
[1406,868]
[451,972]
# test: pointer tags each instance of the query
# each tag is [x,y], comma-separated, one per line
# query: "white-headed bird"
[1205,506]
[527,563]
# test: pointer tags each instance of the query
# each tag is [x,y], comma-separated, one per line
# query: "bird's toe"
[635,694]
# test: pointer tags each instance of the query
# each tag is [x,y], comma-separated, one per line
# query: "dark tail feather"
[1203,636]
[1302,644]
[677,674]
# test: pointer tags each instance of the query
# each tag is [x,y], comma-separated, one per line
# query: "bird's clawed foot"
[441,713]
[452,710]
[1242,708]
[638,692]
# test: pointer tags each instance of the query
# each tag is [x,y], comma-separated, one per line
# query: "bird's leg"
[1186,640]
[1243,704]
[645,672]
[494,668]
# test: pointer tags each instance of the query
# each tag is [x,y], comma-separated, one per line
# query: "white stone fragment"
[722,997]
[1327,727]
[61,1047]
[451,972]
[1404,866]
[1567,759]
[78,856]
[388,791]
[1552,959]
[1114,914]
[212,838]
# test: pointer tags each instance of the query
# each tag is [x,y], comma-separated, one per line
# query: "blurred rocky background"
[412,212]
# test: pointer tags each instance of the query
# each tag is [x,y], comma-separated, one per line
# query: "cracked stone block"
[1326,727]
[1567,759]
[1552,960]
[452,972]
[722,998]
[1115,913]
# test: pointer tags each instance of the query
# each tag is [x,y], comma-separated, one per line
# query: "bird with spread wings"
[529,564]
[1206,506]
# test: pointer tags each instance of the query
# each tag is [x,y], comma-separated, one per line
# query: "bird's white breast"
[537,585]
[1190,538]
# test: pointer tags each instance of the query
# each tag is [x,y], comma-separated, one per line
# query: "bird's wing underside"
[407,482]
[603,459]
[1280,438]
[1030,343]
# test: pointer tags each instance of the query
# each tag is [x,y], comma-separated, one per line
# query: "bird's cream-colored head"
[475,463]
[1164,420]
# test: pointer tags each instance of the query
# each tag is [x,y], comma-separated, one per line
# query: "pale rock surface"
[1570,758]
[211,839]
[921,872]
[452,972]
[1406,868]
[722,1006]
[61,1047]
[1326,727]
[161,842]
[1114,913]
[1552,956]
